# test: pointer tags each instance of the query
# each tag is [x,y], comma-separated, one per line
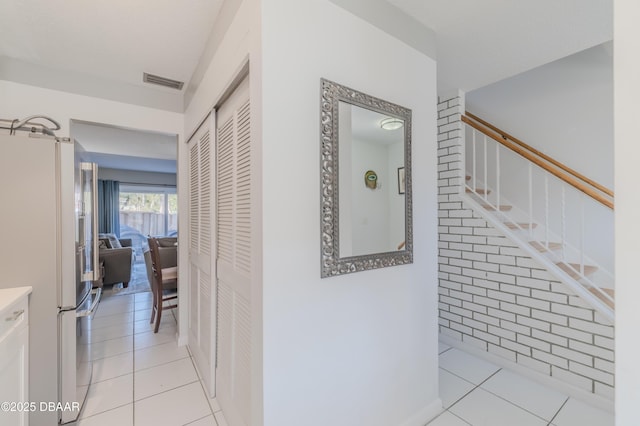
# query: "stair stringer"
[551,267]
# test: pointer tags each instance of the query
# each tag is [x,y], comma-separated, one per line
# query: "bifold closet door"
[201,288]
[233,261]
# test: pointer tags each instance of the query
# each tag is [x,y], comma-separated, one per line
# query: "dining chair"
[164,286]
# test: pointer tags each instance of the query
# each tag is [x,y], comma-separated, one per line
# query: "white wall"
[359,349]
[137,177]
[20,100]
[369,207]
[395,154]
[377,215]
[564,109]
[627,92]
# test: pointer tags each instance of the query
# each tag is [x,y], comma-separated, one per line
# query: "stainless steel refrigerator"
[48,240]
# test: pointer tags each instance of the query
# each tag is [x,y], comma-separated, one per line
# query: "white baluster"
[485,168]
[530,199]
[498,177]
[546,208]
[465,149]
[563,223]
[582,234]
[473,171]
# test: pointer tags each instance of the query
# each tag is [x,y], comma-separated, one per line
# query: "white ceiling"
[108,41]
[115,41]
[365,126]
[481,42]
[102,47]
[127,149]
[106,45]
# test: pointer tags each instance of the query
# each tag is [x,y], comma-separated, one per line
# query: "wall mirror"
[365,182]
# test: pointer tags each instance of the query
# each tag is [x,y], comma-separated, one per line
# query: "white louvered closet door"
[201,290]
[233,267]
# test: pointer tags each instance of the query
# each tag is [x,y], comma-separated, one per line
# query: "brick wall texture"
[495,297]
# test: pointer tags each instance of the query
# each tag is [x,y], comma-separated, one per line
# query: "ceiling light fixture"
[391,123]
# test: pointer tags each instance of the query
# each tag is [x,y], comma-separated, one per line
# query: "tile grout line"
[197,420]
[133,381]
[446,350]
[159,365]
[498,396]
[485,380]
[475,386]
[134,359]
[133,354]
[165,363]
[206,395]
[80,419]
[457,416]
[558,412]
[442,413]
[516,405]
[113,408]
[132,324]
[204,391]
[166,390]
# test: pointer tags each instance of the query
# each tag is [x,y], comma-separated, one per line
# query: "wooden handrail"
[580,186]
[556,163]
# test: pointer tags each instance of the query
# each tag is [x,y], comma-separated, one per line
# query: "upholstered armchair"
[116,257]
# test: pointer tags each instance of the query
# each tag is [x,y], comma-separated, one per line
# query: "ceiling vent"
[162,81]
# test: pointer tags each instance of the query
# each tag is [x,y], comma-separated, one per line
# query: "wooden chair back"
[162,278]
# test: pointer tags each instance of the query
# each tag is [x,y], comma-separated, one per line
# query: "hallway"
[142,378]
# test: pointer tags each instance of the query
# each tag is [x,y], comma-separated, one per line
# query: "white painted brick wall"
[496,298]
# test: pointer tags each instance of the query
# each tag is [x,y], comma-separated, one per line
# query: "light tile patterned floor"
[145,379]
[477,393]
[142,378]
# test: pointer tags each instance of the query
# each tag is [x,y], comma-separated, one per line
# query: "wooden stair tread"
[512,225]
[572,268]
[503,208]
[542,248]
[478,191]
[609,291]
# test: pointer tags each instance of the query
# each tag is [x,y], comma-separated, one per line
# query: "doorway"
[137,177]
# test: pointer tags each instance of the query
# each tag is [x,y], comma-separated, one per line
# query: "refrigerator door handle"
[72,307]
[95,273]
[97,292]
[94,239]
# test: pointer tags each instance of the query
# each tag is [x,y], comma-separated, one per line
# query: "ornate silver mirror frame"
[332,264]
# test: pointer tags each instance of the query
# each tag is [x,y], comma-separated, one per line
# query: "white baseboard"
[425,415]
[570,390]
[182,339]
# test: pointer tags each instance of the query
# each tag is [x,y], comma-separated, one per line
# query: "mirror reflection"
[371,187]
[365,175]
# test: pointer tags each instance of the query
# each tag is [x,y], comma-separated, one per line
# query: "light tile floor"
[478,393]
[141,378]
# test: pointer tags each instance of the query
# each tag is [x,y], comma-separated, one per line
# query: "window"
[147,210]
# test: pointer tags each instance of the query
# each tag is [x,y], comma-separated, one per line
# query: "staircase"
[553,211]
